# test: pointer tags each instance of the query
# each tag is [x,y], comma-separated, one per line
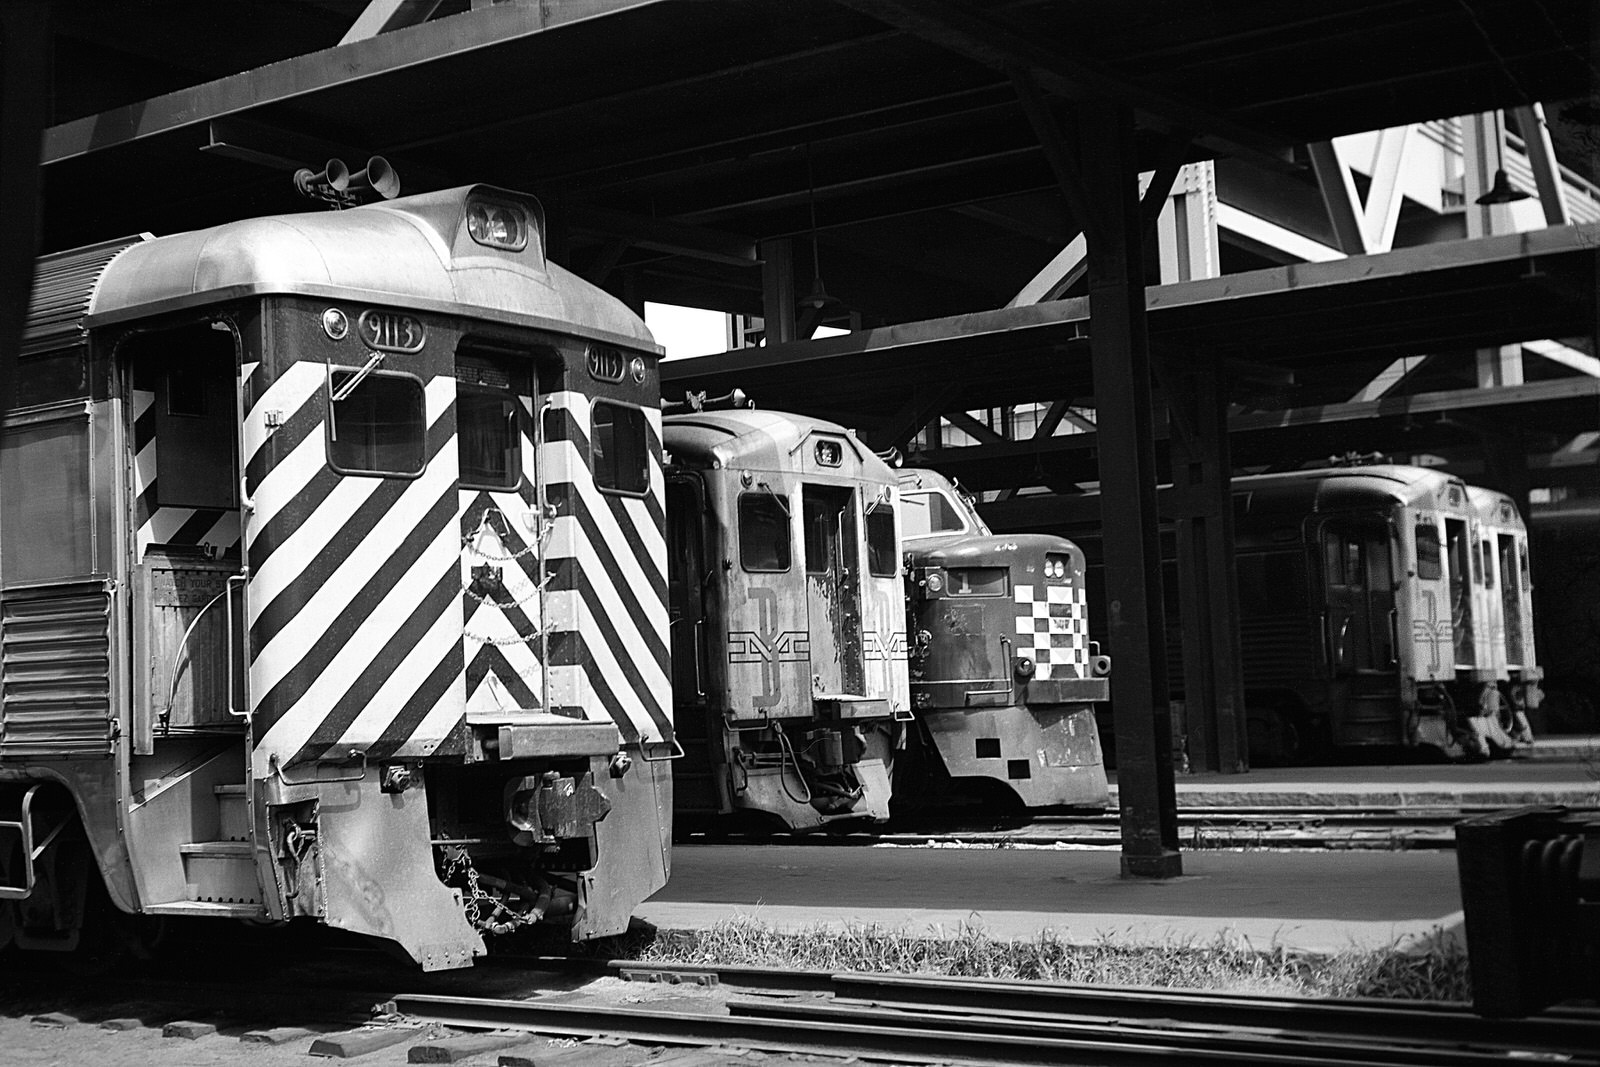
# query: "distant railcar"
[1004,675]
[1370,601]
[788,618]
[333,585]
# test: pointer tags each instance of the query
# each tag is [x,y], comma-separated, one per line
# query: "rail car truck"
[1368,599]
[788,618]
[1004,675]
[333,585]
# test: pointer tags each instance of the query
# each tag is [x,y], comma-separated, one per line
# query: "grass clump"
[1434,972]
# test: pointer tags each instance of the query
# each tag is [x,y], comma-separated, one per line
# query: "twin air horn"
[335,184]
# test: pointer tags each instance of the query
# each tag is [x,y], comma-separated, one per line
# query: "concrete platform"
[1314,901]
[1564,770]
[1306,901]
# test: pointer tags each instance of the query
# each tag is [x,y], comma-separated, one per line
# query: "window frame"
[782,506]
[1436,562]
[514,452]
[944,498]
[888,511]
[644,448]
[330,440]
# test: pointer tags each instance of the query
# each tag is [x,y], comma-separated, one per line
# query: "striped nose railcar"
[1004,677]
[788,623]
[333,584]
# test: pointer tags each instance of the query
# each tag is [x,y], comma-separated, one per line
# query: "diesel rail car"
[1382,605]
[1004,676]
[333,586]
[787,619]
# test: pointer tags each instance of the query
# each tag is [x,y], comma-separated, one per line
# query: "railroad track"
[903,1019]
[1198,828]
[512,1009]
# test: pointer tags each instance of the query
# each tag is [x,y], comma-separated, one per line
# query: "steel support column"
[1108,173]
[777,290]
[25,49]
[1213,679]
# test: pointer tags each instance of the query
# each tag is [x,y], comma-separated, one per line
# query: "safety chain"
[457,861]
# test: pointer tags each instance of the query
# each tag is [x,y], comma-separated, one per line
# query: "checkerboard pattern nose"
[1052,629]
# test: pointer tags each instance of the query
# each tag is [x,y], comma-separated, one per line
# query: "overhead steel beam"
[1068,72]
[662,235]
[1542,158]
[301,76]
[381,16]
[973,428]
[1339,196]
[1390,377]
[1565,355]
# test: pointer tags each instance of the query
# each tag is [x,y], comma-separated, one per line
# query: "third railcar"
[1005,677]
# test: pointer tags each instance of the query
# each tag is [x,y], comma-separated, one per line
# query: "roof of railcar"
[412,252]
[1344,487]
[1495,508]
[763,440]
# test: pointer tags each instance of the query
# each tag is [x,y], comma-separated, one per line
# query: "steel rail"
[912,1043]
[1574,1030]
[1309,1045]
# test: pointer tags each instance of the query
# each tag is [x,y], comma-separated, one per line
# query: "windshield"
[929,513]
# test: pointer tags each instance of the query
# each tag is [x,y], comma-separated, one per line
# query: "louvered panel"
[55,674]
[63,285]
[1278,651]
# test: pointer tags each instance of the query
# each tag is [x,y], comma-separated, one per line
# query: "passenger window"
[1430,560]
[488,424]
[620,449]
[764,543]
[379,427]
[883,556]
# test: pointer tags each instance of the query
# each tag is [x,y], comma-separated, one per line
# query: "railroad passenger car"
[1367,607]
[1507,611]
[333,585]
[1004,676]
[788,618]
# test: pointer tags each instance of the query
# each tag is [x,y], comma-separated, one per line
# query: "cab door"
[833,588]
[1360,596]
[190,828]
[687,590]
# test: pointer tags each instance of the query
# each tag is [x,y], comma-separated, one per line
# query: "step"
[220,872]
[233,812]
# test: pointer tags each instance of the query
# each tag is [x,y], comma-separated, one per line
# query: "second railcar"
[1004,675]
[787,615]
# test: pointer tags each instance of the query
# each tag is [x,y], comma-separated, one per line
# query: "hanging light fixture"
[1501,191]
[818,297]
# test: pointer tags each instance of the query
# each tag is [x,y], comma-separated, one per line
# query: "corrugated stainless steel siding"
[63,285]
[55,674]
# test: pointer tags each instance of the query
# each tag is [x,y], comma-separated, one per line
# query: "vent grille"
[63,285]
[55,674]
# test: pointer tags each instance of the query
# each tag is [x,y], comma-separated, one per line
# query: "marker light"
[496,224]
